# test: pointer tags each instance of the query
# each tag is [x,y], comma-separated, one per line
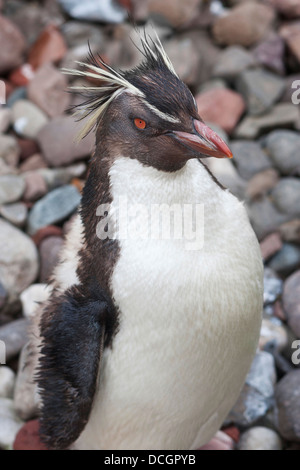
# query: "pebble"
[265,218]
[14,335]
[288,8]
[290,231]
[257,395]
[270,245]
[286,196]
[53,208]
[9,150]
[222,106]
[55,177]
[291,302]
[12,188]
[286,260]
[221,441]
[287,406]
[232,61]
[50,249]
[261,90]
[17,94]
[48,91]
[249,158]
[48,231]
[178,50]
[28,148]
[270,53]
[28,119]
[260,438]
[34,162]
[10,424]
[262,183]
[18,258]
[5,119]
[50,47]
[290,32]
[273,334]
[3,296]
[106,11]
[245,24]
[58,141]
[32,297]
[7,382]
[28,438]
[36,186]
[283,148]
[12,45]
[226,173]
[15,213]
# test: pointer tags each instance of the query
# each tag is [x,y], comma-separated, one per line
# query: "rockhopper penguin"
[145,341]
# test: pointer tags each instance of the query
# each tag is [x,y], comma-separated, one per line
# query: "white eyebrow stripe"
[165,116]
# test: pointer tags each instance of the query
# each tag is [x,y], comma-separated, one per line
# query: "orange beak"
[204,141]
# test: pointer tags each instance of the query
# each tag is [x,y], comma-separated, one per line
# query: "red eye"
[139,123]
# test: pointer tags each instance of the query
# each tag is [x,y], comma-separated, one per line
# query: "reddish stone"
[288,8]
[270,245]
[291,34]
[22,75]
[35,162]
[233,432]
[50,47]
[45,232]
[126,4]
[222,106]
[221,441]
[28,437]
[28,148]
[279,312]
[36,186]
[50,249]
[12,45]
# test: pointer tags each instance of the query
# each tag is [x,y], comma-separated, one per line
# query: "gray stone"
[106,12]
[9,150]
[55,207]
[287,406]
[3,295]
[261,90]
[18,259]
[232,61]
[15,213]
[227,175]
[15,336]
[28,119]
[18,94]
[286,260]
[7,382]
[56,177]
[265,218]
[286,196]
[5,119]
[249,158]
[273,286]
[260,438]
[290,231]
[273,335]
[283,147]
[10,424]
[262,183]
[257,395]
[270,53]
[280,116]
[291,302]
[11,188]
[12,45]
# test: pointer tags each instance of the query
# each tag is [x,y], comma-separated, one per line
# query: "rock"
[3,296]
[249,158]
[53,208]
[213,84]
[270,245]
[28,119]
[105,11]
[286,260]
[260,438]
[15,213]
[290,231]
[49,231]
[273,286]
[221,441]
[283,148]
[287,406]
[34,162]
[280,116]
[232,61]
[223,107]
[18,259]
[291,302]
[257,395]
[10,424]
[26,398]
[56,177]
[50,249]
[22,76]
[290,32]
[270,53]
[36,186]
[48,90]
[50,47]
[174,13]
[274,335]
[233,432]
[58,141]
[14,335]
[11,188]
[28,438]
[265,218]
[32,297]
[262,183]
[28,148]
[185,58]
[244,25]
[76,32]
[7,382]
[261,90]
[286,196]
[5,119]
[227,175]
[12,45]
[288,8]
[9,150]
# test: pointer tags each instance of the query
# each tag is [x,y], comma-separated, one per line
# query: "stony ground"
[240,59]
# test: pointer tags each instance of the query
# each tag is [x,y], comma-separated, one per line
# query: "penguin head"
[146,113]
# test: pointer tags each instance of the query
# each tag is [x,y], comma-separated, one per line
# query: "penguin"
[146,340]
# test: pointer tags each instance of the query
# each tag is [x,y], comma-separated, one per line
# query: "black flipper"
[74,329]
